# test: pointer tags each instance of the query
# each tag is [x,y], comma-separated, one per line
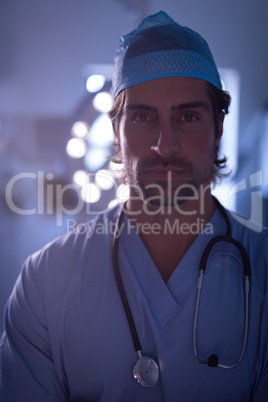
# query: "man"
[125,318]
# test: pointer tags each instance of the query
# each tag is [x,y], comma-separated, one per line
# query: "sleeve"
[261,394]
[260,278]
[27,370]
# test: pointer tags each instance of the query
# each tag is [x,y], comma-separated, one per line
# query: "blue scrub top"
[67,337]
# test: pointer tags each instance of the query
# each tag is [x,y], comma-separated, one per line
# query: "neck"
[199,207]
[168,232]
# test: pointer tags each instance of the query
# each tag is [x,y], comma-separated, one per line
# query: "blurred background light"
[90,193]
[76,148]
[116,169]
[122,192]
[113,203]
[229,141]
[80,129]
[101,132]
[104,179]
[95,159]
[95,83]
[80,178]
[99,140]
[97,177]
[103,102]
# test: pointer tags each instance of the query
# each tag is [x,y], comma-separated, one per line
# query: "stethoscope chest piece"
[146,371]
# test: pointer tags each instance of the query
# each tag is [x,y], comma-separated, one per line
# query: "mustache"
[167,162]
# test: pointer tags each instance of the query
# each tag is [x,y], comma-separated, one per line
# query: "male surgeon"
[173,305]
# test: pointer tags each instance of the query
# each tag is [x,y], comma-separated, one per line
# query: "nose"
[167,141]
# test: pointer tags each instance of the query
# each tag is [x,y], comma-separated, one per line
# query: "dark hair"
[220,103]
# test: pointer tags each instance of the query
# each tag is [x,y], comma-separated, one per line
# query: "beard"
[173,190]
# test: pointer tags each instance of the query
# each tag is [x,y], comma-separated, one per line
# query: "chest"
[94,352]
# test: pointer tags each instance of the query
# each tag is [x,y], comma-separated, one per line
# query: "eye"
[186,116]
[141,118]
[189,117]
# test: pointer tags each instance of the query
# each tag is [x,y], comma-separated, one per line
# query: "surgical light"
[80,129]
[95,159]
[90,193]
[122,192]
[80,178]
[113,203]
[116,169]
[95,83]
[76,148]
[101,132]
[103,102]
[104,179]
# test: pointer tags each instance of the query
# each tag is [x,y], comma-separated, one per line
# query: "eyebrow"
[134,106]
[181,106]
[192,105]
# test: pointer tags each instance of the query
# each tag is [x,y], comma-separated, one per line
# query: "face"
[167,139]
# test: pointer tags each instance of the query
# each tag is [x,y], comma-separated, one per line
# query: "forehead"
[168,91]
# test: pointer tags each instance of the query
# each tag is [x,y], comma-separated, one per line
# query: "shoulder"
[85,245]
[254,238]
[248,232]
[82,236]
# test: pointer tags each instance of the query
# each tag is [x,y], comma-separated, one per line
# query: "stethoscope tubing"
[146,370]
[120,285]
[213,359]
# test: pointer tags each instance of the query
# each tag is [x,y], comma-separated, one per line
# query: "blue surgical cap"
[160,47]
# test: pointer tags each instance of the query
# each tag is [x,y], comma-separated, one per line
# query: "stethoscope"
[146,370]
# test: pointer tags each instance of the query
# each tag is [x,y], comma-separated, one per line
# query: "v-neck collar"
[134,260]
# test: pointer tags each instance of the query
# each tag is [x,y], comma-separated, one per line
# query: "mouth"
[160,173]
